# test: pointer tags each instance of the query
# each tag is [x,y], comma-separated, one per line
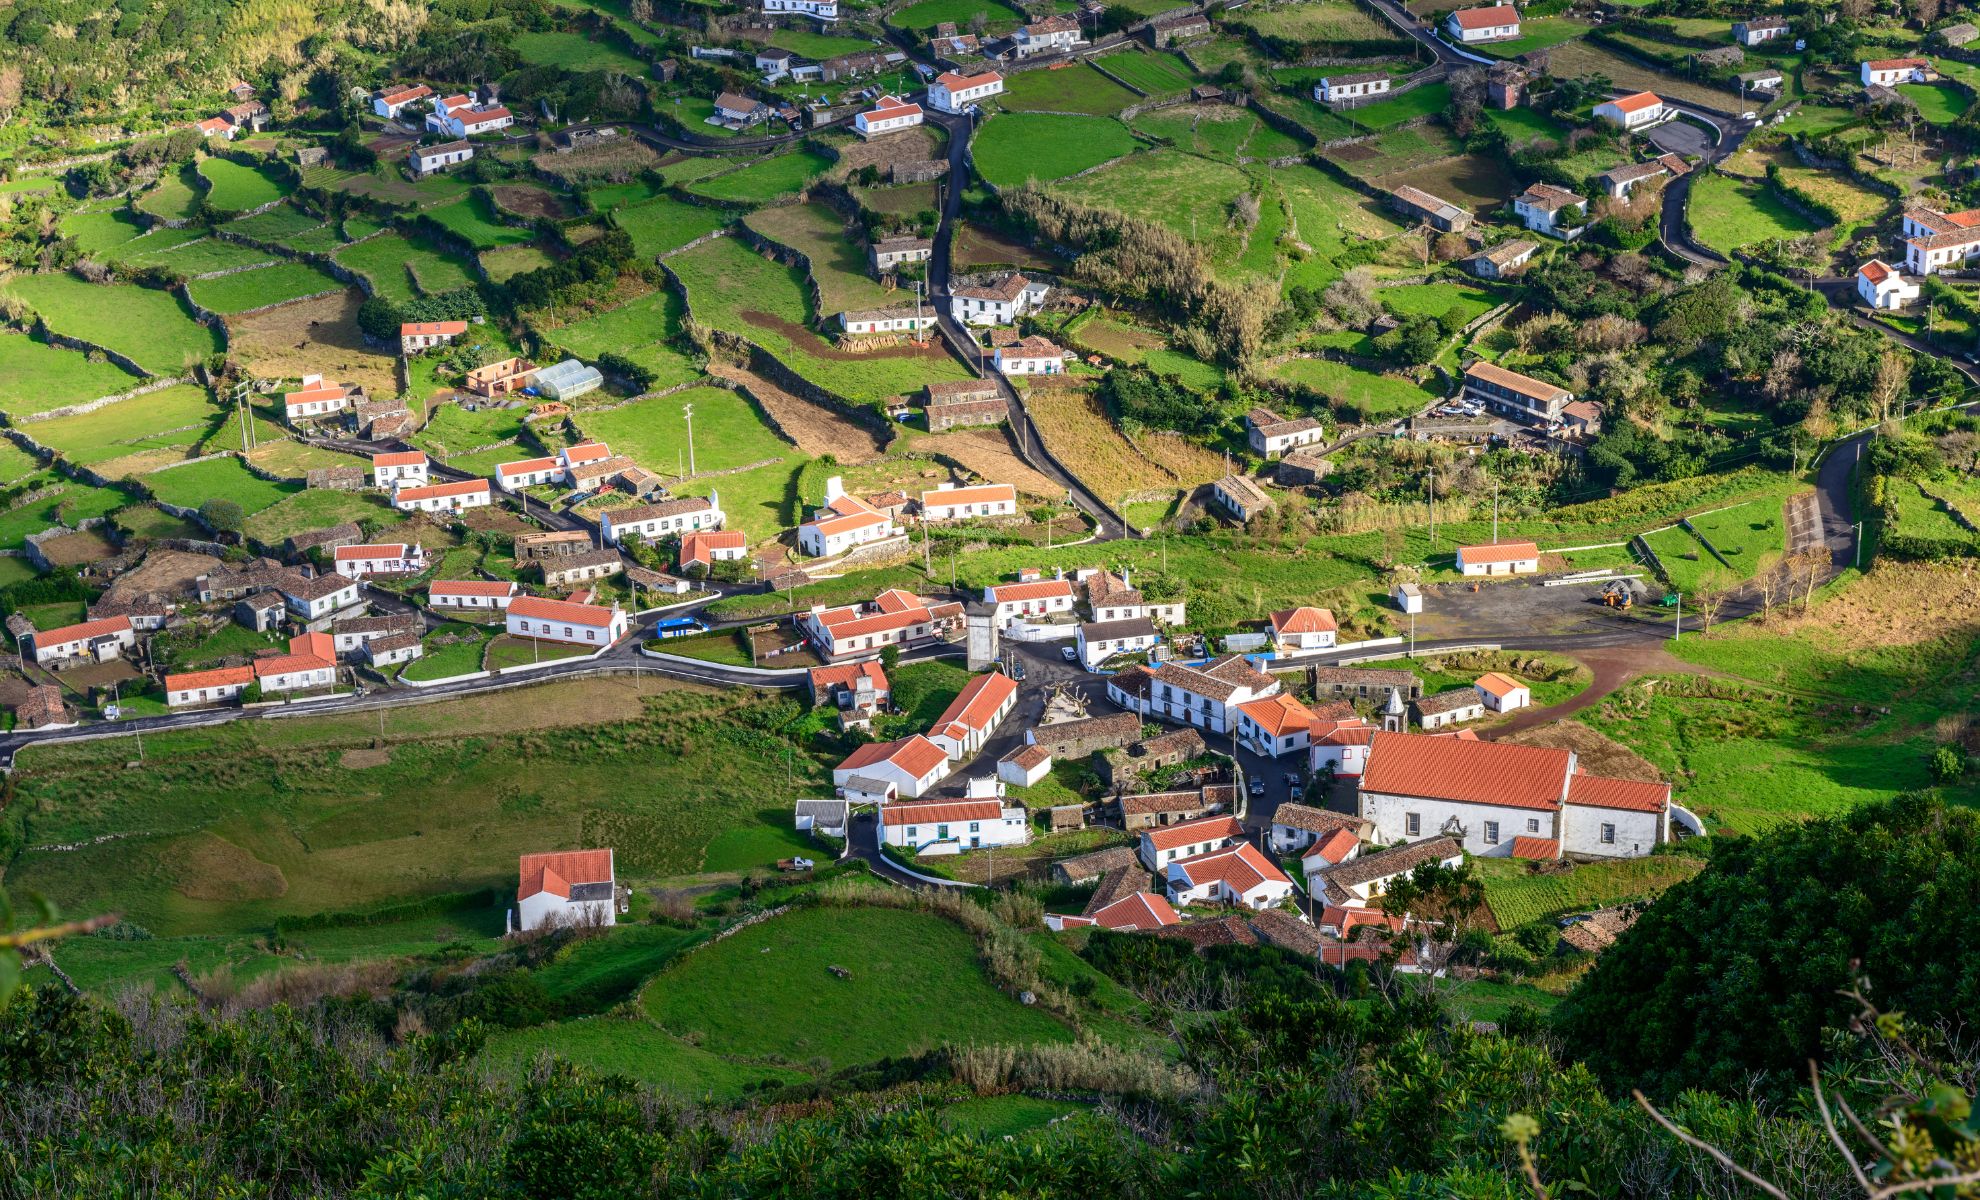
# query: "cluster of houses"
[1934,242]
[455,118]
[845,522]
[245,115]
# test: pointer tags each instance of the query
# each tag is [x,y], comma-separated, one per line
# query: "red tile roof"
[1600,791]
[701,547]
[82,631]
[847,675]
[1546,849]
[935,811]
[1465,771]
[1142,910]
[585,452]
[1893,64]
[527,466]
[1278,715]
[1636,102]
[986,493]
[218,677]
[975,707]
[382,550]
[594,615]
[1304,619]
[557,871]
[1188,833]
[470,587]
[399,458]
[958,83]
[1048,589]
[1876,271]
[1333,848]
[417,328]
[1487,18]
[1499,552]
[465,487]
[1493,683]
[1241,868]
[914,754]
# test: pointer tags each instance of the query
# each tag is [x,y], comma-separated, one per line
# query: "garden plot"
[1319,21]
[193,256]
[510,261]
[193,484]
[401,269]
[728,431]
[1073,89]
[453,434]
[1220,131]
[1371,395]
[1394,151]
[1327,217]
[575,52]
[838,263]
[474,220]
[172,419]
[152,328]
[664,225]
[1473,180]
[98,232]
[1727,213]
[1155,72]
[277,225]
[766,179]
[926,14]
[312,336]
[1544,33]
[262,287]
[980,246]
[531,202]
[899,200]
[1417,102]
[66,501]
[1079,434]
[641,330]
[175,197]
[1013,148]
[42,377]
[237,188]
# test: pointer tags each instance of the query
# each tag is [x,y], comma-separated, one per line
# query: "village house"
[1082,737]
[824,818]
[950,502]
[1582,419]
[443,497]
[1032,355]
[1889,72]
[460,116]
[485,594]
[701,551]
[1352,89]
[1640,110]
[310,663]
[427,160]
[1303,629]
[147,613]
[1136,912]
[1551,210]
[1271,435]
[888,253]
[415,336]
[1514,394]
[84,642]
[1419,205]
[817,10]
[409,467]
[1239,875]
[1099,641]
[1503,260]
[1026,766]
[250,116]
[1882,286]
[1766,79]
[1111,597]
[393,649]
[568,569]
[317,399]
[1240,497]
[1499,558]
[1502,693]
[737,112]
[971,823]
[1125,767]
[1450,708]
[889,114]
[352,634]
[1937,240]
[682,514]
[1486,794]
[953,93]
[1339,743]
[1758,31]
[1505,85]
[1163,844]
[842,522]
[312,598]
[532,546]
[1153,810]
[569,888]
[212,126]
[1275,725]
[1470,26]
[1204,696]
[901,318]
[500,378]
[974,714]
[1617,181]
[860,686]
[1295,827]
[909,766]
[1053,35]
[999,301]
[1013,602]
[562,621]
[206,687]
[1173,28]
[964,402]
[384,558]
[1361,881]
[512,477]
[774,63]
[390,102]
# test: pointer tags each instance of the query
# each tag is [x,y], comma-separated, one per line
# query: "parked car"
[1257,786]
[1069,653]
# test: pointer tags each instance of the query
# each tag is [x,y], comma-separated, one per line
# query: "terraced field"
[41,376]
[838,263]
[1013,148]
[152,328]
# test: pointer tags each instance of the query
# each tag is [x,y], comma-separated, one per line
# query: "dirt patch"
[498,520]
[989,453]
[213,868]
[312,336]
[363,760]
[166,571]
[816,429]
[531,202]
[1355,152]
[74,549]
[142,463]
[97,675]
[977,246]
[1896,604]
[1597,752]
[809,342]
[620,158]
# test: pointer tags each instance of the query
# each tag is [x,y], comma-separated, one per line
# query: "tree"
[890,658]
[1714,588]
[1443,906]
[222,515]
[1805,570]
[1467,99]
[1731,979]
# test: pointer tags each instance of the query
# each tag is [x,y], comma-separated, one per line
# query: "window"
[1533,824]
[1412,824]
[976,826]
[1608,835]
[523,625]
[942,832]
[1491,833]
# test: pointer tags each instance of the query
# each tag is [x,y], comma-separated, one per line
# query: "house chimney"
[835,487]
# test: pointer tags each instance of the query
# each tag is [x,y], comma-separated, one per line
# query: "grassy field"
[1190,195]
[40,376]
[641,330]
[188,256]
[665,224]
[261,287]
[274,818]
[1015,147]
[277,225]
[1375,396]
[1216,131]
[175,197]
[150,327]
[1156,72]
[765,179]
[1727,213]
[1517,895]
[68,501]
[175,417]
[1075,89]
[1745,534]
[913,975]
[575,52]
[929,13]
[1523,124]
[236,188]
[1937,103]
[1006,1116]
[474,220]
[728,432]
[509,261]
[316,509]
[1417,102]
[838,261]
[1319,21]
[401,269]
[1543,33]
[1444,674]
[638,1049]
[217,478]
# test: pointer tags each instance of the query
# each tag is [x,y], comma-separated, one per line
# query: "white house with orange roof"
[953,93]
[206,687]
[842,522]
[583,452]
[1883,286]
[1502,693]
[1016,601]
[488,595]
[889,114]
[566,888]
[893,618]
[1889,72]
[1275,725]
[1239,875]
[1499,558]
[415,336]
[528,473]
[1341,746]
[460,116]
[701,551]
[664,518]
[380,558]
[971,824]
[395,467]
[1328,850]
[1639,110]
[310,663]
[1494,23]
[974,714]
[317,399]
[1032,355]
[1486,794]
[594,625]
[911,765]
[1935,241]
[951,502]
[443,497]
[92,641]
[1163,844]
[1297,630]
[389,102]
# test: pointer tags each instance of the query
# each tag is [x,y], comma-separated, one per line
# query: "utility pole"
[1495,514]
[1859,545]
[1432,489]
[688,411]
[1679,632]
